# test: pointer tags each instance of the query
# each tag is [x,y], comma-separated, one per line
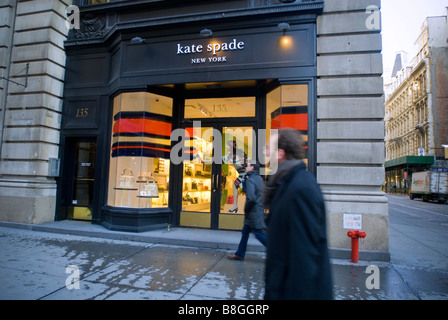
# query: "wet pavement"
[36,264]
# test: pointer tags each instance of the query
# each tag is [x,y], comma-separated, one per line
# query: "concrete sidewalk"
[203,238]
[40,262]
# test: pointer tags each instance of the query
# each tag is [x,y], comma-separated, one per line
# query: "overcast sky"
[401,25]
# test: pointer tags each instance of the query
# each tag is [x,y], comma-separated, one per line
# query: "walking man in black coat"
[253,210]
[297,262]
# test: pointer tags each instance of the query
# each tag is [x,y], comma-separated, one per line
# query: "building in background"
[416,108]
[101,105]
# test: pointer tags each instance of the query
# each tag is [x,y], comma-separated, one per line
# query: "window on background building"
[140,151]
[287,107]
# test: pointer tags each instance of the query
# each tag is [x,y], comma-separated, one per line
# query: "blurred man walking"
[297,263]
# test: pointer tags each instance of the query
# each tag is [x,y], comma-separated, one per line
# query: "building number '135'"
[82,112]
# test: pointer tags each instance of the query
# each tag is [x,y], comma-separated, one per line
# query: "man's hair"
[254,164]
[291,141]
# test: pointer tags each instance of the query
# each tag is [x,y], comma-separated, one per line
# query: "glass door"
[219,144]
[81,200]
[212,194]
[238,149]
[197,183]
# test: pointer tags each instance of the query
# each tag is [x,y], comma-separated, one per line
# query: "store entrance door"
[212,177]
[79,187]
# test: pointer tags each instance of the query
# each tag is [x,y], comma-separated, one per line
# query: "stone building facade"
[343,77]
[33,33]
[350,127]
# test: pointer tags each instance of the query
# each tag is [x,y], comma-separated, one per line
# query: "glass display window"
[287,107]
[140,151]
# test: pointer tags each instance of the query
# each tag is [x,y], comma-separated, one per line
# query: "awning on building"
[410,161]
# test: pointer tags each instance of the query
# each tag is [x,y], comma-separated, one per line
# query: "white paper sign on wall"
[352,221]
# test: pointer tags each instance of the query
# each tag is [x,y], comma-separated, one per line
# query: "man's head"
[251,166]
[287,144]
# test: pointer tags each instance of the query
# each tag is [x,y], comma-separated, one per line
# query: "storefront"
[399,172]
[138,72]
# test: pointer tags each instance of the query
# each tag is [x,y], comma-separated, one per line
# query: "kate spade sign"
[258,50]
[216,51]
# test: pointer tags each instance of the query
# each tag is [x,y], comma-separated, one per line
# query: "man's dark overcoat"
[297,263]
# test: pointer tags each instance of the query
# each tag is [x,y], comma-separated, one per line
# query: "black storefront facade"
[139,70]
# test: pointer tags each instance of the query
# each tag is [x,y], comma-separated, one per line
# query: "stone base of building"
[27,209]
[373,210]
[364,255]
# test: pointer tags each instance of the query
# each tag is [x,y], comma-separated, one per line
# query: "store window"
[140,151]
[287,107]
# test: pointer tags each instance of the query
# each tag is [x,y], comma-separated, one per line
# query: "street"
[39,265]
[418,245]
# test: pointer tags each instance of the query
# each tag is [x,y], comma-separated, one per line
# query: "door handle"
[215,183]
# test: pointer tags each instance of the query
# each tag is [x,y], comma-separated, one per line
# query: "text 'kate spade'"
[214,47]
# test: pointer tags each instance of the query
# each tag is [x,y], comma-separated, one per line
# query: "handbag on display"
[151,188]
[143,177]
[126,180]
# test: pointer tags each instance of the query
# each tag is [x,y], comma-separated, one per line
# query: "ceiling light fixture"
[137,40]
[206,32]
[284,26]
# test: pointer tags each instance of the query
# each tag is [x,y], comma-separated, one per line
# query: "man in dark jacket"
[253,210]
[297,262]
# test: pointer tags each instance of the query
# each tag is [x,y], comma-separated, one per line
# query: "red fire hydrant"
[355,235]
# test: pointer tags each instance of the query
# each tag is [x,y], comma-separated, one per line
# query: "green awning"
[410,160]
